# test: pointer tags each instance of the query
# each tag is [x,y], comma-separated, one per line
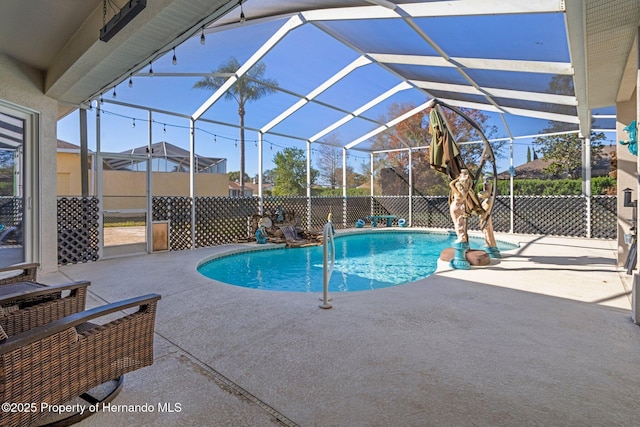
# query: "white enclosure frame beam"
[292,23]
[357,63]
[437,8]
[357,112]
[391,123]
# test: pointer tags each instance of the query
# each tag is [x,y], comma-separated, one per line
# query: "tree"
[235,176]
[329,162]
[535,155]
[250,87]
[415,132]
[290,173]
[565,152]
[528,154]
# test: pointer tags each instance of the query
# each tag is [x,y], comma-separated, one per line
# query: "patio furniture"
[374,219]
[12,274]
[26,305]
[61,360]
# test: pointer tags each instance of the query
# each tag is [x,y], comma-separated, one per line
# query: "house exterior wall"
[68,174]
[128,183]
[23,86]
[626,113]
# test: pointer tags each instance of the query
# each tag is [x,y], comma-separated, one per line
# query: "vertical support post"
[635,294]
[371,182]
[192,179]
[586,178]
[344,187]
[149,192]
[512,172]
[410,187]
[84,159]
[99,186]
[260,166]
[308,185]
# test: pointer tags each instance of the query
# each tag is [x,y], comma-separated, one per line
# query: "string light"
[130,80]
[150,69]
[164,128]
[242,19]
[114,92]
[202,39]
[174,61]
[134,123]
[215,139]
[101,100]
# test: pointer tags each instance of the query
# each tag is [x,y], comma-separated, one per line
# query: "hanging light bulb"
[164,128]
[174,61]
[150,69]
[271,147]
[236,143]
[202,39]
[134,123]
[215,139]
[130,80]
[101,100]
[241,13]
[114,92]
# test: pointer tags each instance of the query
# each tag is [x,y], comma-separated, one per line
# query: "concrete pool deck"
[544,337]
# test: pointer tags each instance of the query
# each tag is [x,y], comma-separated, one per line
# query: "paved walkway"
[544,337]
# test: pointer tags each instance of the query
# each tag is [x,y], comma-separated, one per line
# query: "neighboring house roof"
[535,168]
[67,146]
[166,150]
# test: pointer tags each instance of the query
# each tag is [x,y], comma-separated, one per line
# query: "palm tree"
[250,87]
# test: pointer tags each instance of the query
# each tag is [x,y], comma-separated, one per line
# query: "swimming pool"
[364,260]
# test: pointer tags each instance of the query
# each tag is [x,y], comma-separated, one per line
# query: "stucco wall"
[626,113]
[22,86]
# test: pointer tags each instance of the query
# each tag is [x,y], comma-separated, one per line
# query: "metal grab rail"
[327,238]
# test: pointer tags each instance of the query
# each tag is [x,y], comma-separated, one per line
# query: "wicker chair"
[65,358]
[22,311]
[28,274]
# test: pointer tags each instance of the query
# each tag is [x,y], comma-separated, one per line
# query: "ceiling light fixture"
[130,10]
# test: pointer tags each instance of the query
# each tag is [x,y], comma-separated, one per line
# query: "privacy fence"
[220,220]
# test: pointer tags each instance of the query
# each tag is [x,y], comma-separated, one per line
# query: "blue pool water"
[363,261]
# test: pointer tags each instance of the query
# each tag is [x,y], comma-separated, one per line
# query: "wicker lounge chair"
[65,358]
[28,273]
[24,310]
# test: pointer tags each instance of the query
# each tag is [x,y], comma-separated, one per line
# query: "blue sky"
[300,62]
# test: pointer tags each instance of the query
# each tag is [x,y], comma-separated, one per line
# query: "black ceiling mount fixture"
[129,11]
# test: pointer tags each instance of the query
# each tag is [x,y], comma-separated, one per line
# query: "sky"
[299,63]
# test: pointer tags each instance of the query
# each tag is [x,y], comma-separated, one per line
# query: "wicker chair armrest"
[36,307]
[145,303]
[34,294]
[29,271]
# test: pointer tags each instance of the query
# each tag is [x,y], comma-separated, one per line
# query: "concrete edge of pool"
[441,265]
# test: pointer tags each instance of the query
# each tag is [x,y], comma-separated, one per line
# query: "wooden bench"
[374,219]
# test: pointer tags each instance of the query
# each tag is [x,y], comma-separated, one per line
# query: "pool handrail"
[327,238]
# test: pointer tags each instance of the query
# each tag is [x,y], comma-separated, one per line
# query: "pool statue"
[461,189]
[261,233]
[485,196]
[632,143]
[461,204]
